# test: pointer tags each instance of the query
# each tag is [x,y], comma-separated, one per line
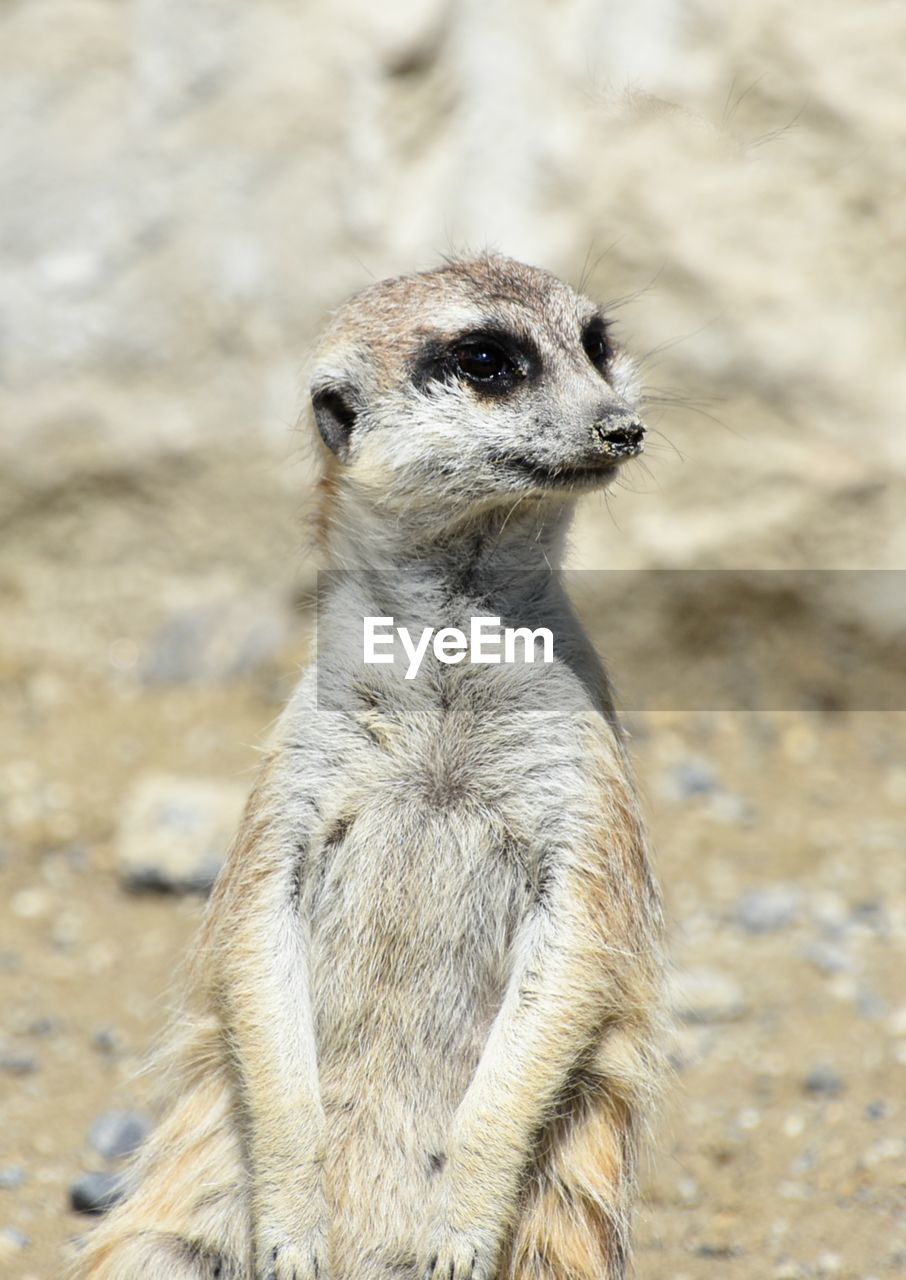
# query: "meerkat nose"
[621,436]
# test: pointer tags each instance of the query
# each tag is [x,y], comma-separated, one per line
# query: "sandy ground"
[780,1148]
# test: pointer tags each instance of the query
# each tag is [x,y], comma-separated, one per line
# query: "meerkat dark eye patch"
[597,344]
[335,418]
[481,360]
[493,362]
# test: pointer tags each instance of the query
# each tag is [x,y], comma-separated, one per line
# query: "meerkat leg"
[587,958]
[159,1256]
[189,1216]
[576,1211]
[256,948]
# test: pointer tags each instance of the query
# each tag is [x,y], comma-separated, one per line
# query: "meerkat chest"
[438,818]
[438,826]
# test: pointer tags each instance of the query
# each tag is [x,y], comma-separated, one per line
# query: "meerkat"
[421,1033]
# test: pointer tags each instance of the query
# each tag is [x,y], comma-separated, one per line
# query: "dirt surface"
[781,844]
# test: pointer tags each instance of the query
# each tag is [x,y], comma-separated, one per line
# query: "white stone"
[174,832]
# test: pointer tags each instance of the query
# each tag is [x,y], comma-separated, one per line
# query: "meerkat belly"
[412,912]
[415,891]
[413,895]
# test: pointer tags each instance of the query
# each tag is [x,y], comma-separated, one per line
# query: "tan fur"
[421,1030]
[326,499]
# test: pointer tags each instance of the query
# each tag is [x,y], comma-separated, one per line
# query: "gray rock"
[174,832]
[730,808]
[709,1250]
[807,1162]
[107,1041]
[97,1192]
[17,1064]
[46,1025]
[871,916]
[768,909]
[116,1134]
[219,641]
[693,776]
[704,995]
[13,1239]
[827,957]
[871,1005]
[12,1177]
[823,1080]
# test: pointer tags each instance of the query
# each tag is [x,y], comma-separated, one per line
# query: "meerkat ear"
[335,417]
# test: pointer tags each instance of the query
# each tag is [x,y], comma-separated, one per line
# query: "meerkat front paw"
[451,1253]
[290,1261]
[296,1254]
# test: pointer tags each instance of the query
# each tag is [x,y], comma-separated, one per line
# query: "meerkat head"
[470,386]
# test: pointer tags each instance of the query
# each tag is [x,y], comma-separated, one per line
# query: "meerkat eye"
[597,345]
[481,360]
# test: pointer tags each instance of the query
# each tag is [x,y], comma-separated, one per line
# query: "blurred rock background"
[188,185]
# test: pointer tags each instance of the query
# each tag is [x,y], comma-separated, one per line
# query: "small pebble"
[174,832]
[870,1004]
[827,957]
[889,1148]
[13,1240]
[107,1041]
[871,916]
[691,777]
[789,1271]
[11,1177]
[731,809]
[216,641]
[687,1190]
[768,909]
[116,1134]
[18,1064]
[829,910]
[896,1022]
[717,1251]
[707,995]
[44,1026]
[30,904]
[96,1192]
[804,1163]
[823,1079]
[793,1190]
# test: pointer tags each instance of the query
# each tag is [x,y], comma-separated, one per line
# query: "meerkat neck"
[528,535]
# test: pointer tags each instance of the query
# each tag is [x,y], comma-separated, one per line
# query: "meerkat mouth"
[566,475]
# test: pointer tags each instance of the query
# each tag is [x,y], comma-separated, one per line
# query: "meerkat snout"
[622,435]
